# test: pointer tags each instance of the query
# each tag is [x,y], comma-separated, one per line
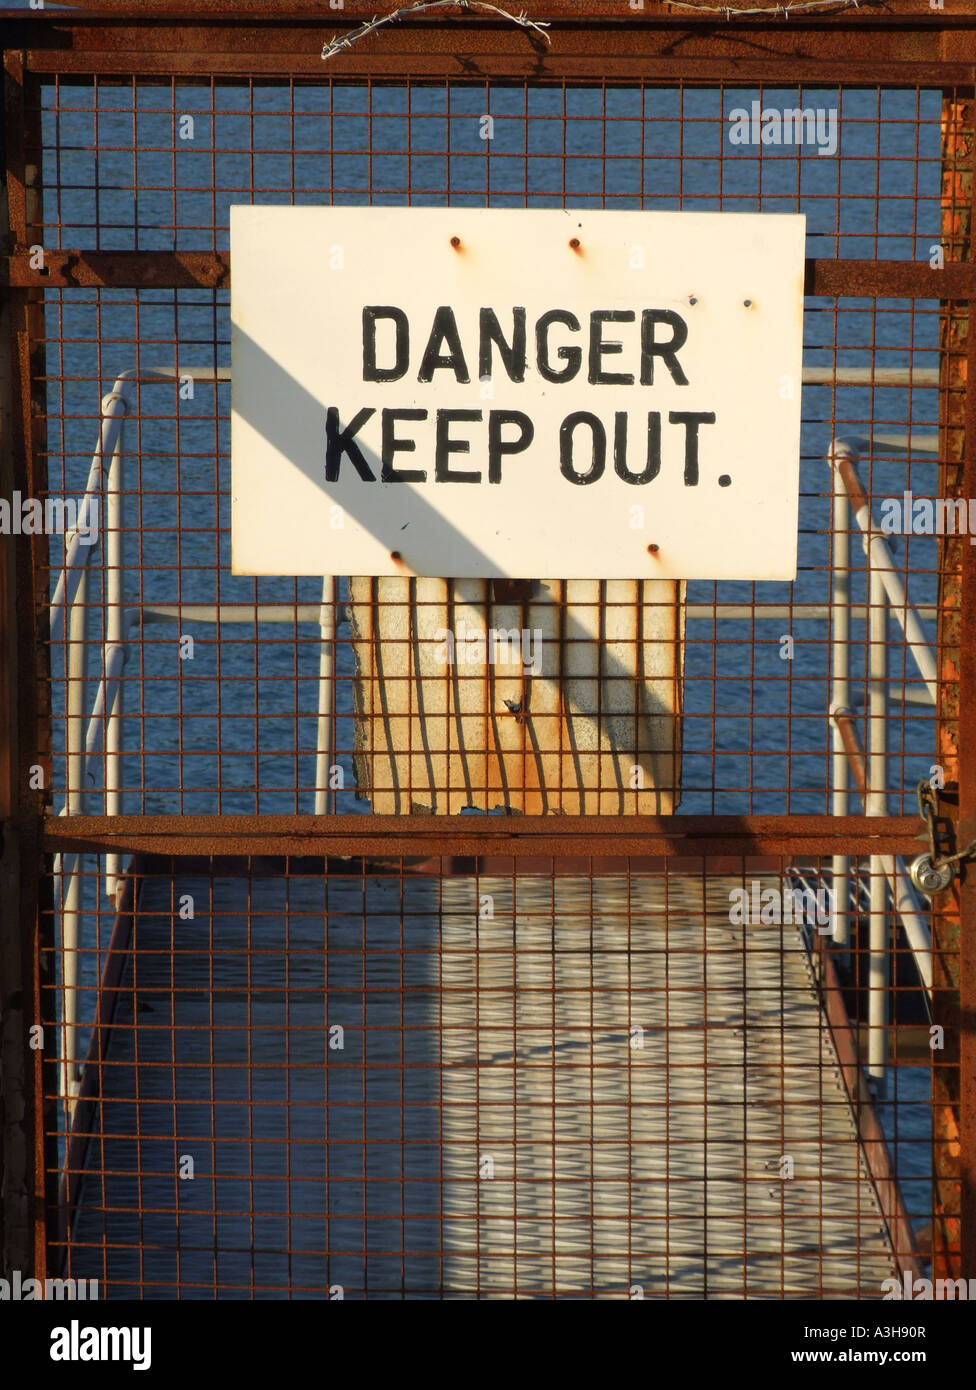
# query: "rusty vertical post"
[15,1195]
[967,890]
[952,1235]
[967,793]
[27,1141]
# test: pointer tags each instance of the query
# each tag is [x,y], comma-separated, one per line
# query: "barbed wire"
[336,45]
[784,10]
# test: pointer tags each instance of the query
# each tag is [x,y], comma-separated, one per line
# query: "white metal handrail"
[886,594]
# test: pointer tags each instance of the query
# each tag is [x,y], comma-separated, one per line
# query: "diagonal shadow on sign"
[661,738]
[280,385]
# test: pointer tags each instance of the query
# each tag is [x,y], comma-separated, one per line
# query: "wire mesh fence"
[392,1080]
[871,367]
[390,1074]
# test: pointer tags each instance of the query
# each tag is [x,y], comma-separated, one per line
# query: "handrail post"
[69,900]
[881,563]
[112,527]
[877,805]
[840,688]
[113,407]
[76,671]
[323,743]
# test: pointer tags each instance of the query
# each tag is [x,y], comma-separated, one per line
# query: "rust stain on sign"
[565,701]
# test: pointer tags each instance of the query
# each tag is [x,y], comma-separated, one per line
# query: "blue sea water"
[118,176]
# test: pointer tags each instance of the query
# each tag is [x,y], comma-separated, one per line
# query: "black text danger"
[560,346]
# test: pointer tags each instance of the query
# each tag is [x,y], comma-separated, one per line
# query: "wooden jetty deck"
[492,1123]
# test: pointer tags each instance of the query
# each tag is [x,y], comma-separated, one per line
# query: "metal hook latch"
[932,872]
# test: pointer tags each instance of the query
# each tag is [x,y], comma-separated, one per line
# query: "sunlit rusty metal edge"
[955,435]
[469,835]
[967,829]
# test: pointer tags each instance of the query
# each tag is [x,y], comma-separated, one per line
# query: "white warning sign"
[515,393]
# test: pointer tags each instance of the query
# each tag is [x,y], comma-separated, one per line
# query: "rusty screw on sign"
[456,242]
[574,243]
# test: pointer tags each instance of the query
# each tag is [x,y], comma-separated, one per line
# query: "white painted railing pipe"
[233,613]
[310,613]
[323,757]
[877,805]
[885,589]
[113,660]
[840,692]
[881,563]
[71,880]
[871,376]
[903,894]
[114,620]
[69,608]
[916,928]
[77,552]
[76,665]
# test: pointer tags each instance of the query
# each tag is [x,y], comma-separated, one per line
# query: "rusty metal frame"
[462,836]
[967,892]
[29,1146]
[907,45]
[80,269]
[914,46]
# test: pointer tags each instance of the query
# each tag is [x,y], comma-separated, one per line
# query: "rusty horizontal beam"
[615,44]
[211,270]
[121,270]
[894,279]
[584,836]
